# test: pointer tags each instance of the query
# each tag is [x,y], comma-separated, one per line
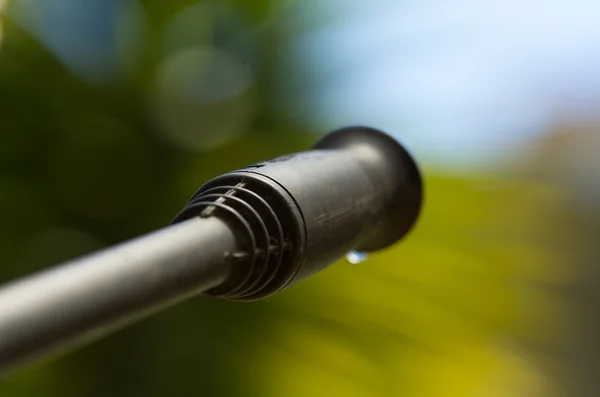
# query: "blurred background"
[112,112]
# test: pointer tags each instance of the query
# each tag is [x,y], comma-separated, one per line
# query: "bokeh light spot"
[203,75]
[201,98]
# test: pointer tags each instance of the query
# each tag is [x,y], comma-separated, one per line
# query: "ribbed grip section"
[261,266]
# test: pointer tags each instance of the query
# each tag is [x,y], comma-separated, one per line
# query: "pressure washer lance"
[242,236]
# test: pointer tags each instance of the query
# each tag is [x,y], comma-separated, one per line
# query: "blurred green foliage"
[84,165]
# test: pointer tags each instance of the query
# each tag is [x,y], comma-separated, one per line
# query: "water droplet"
[356,257]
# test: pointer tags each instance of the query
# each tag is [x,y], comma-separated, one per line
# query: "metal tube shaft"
[89,297]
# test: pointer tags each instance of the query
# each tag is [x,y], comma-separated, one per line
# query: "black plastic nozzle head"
[393,171]
[358,189]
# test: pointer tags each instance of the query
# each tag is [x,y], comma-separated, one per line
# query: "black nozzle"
[358,189]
